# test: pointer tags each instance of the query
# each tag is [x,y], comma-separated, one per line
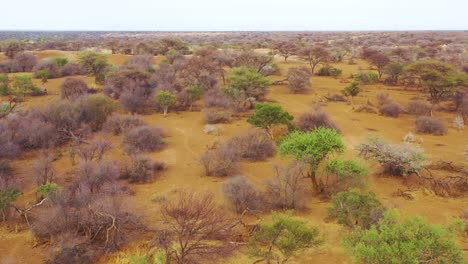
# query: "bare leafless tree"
[197,230]
[286,190]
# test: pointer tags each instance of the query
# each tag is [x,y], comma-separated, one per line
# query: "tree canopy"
[282,238]
[267,114]
[395,241]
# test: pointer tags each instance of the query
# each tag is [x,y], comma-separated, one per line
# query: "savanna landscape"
[234,147]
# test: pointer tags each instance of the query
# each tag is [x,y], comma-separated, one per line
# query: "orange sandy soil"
[186,141]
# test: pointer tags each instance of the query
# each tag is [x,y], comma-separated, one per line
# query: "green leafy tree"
[438,78]
[266,115]
[195,93]
[4,84]
[47,190]
[245,83]
[7,196]
[95,109]
[165,99]
[354,208]
[312,148]
[22,84]
[394,70]
[95,64]
[353,89]
[60,61]
[44,75]
[410,241]
[281,239]
[314,55]
[342,174]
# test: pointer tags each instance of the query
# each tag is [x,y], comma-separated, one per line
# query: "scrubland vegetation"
[269,147]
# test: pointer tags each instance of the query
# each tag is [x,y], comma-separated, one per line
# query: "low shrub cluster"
[217,115]
[315,119]
[328,70]
[418,107]
[430,125]
[143,139]
[397,159]
[255,144]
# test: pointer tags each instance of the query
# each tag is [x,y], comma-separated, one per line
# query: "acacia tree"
[281,239]
[194,93]
[266,115]
[394,70]
[403,241]
[353,89]
[312,148]
[355,209]
[165,99]
[245,84]
[285,48]
[314,55]
[438,78]
[95,64]
[196,229]
[379,60]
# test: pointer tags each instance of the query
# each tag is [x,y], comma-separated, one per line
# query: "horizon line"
[233,30]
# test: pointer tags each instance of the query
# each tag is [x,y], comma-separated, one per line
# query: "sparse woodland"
[243,147]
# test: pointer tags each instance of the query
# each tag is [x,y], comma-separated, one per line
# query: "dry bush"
[242,194]
[65,117]
[135,101]
[299,79]
[43,168]
[93,175]
[396,159]
[88,225]
[216,98]
[287,189]
[71,69]
[195,229]
[418,107]
[254,145]
[141,62]
[91,151]
[31,133]
[117,124]
[142,169]
[127,80]
[314,119]
[383,98]
[6,171]
[143,139]
[222,161]
[392,109]
[216,116]
[24,61]
[430,125]
[8,148]
[72,88]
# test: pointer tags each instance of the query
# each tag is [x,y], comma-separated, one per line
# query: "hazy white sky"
[233,15]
